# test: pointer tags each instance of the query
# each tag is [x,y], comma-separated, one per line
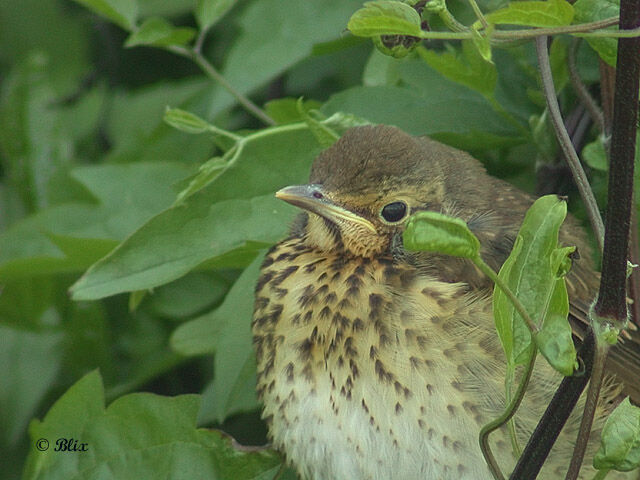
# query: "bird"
[374,362]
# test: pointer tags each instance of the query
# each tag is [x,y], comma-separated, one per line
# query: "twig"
[479,14]
[555,416]
[593,393]
[611,303]
[580,88]
[212,73]
[506,415]
[565,141]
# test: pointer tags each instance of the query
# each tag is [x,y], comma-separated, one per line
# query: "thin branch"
[479,14]
[581,90]
[212,73]
[593,393]
[506,415]
[565,141]
[612,297]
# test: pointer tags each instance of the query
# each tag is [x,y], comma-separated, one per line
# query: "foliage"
[156,219]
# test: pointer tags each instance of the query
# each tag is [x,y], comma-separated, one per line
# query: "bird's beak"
[312,198]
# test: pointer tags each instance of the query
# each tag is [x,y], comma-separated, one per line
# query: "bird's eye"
[394,212]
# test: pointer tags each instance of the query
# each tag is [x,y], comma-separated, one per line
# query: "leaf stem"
[199,59]
[479,14]
[601,474]
[506,415]
[565,142]
[460,32]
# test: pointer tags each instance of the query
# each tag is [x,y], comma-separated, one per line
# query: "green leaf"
[236,208]
[285,110]
[435,232]
[595,156]
[593,11]
[385,18]
[324,134]
[226,330]
[181,238]
[158,32]
[427,103]
[121,12]
[533,273]
[185,121]
[21,391]
[620,443]
[208,12]
[555,340]
[267,52]
[482,42]
[469,69]
[136,129]
[550,13]
[138,436]
[188,296]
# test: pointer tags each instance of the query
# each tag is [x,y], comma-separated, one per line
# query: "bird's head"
[364,187]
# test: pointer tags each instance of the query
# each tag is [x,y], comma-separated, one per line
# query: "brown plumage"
[378,363]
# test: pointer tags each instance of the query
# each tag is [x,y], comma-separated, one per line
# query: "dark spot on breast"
[306,297]
[310,267]
[268,260]
[458,386]
[322,276]
[432,293]
[343,304]
[325,313]
[373,352]
[283,256]
[435,319]
[351,292]
[357,325]
[283,274]
[260,303]
[308,316]
[383,374]
[262,281]
[349,349]
[354,281]
[415,362]
[354,369]
[338,263]
[280,292]
[421,423]
[340,321]
[288,371]
[451,409]
[295,320]
[449,352]
[375,302]
[330,298]
[406,278]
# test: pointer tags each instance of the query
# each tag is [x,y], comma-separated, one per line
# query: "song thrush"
[379,363]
